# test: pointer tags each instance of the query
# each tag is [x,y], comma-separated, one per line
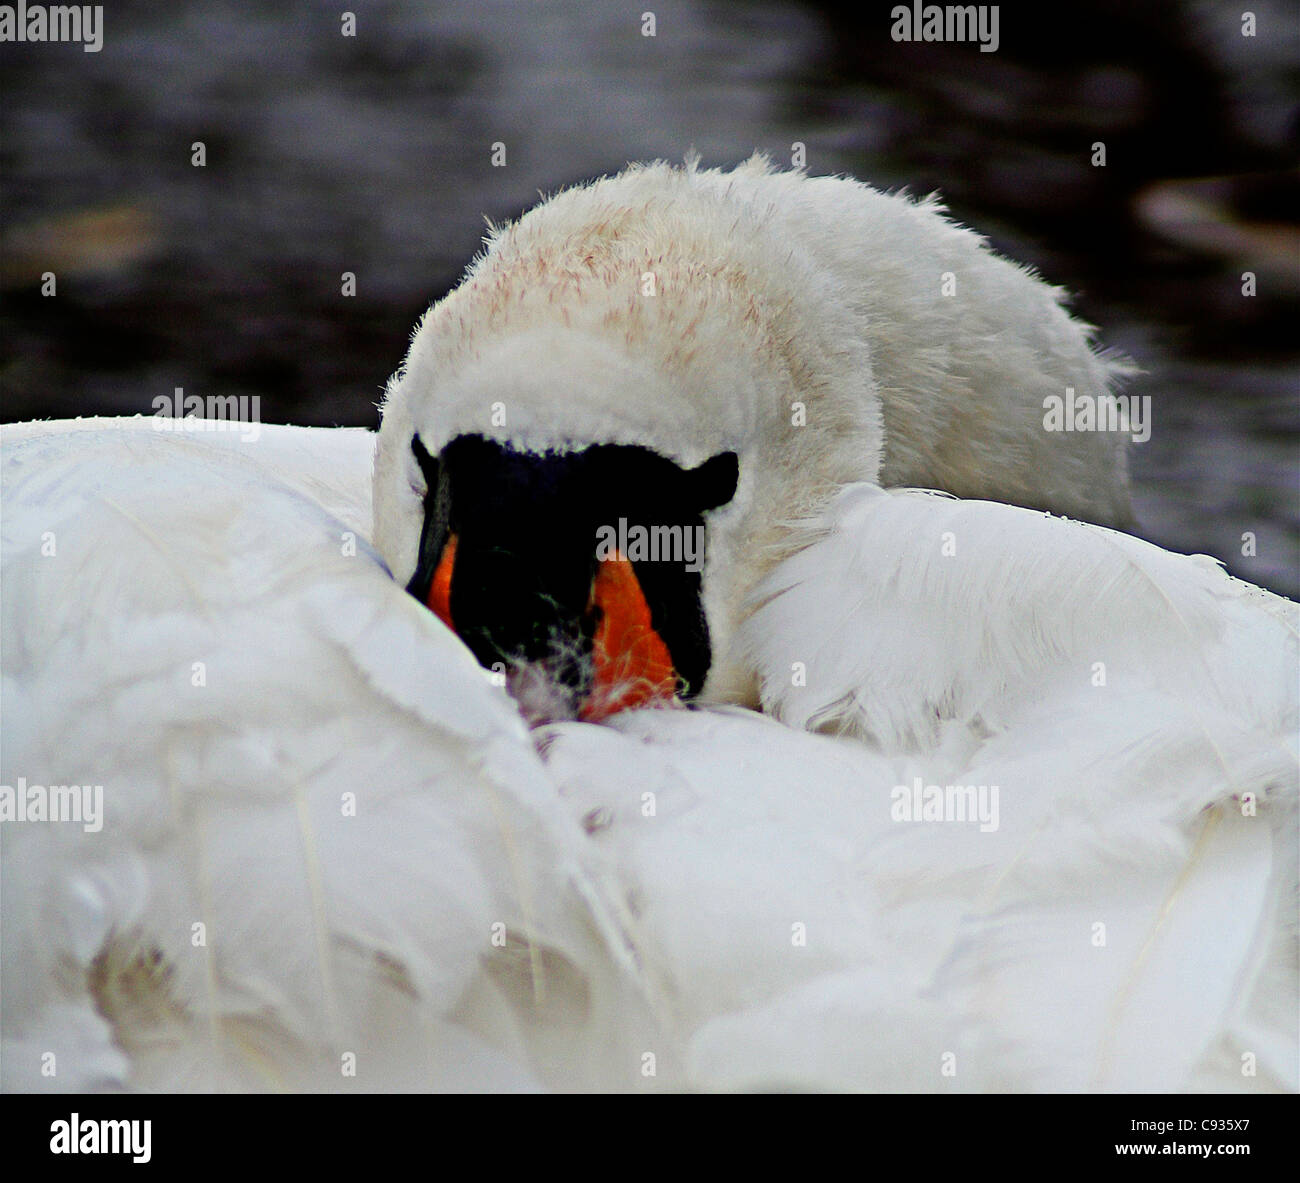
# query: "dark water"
[371,154]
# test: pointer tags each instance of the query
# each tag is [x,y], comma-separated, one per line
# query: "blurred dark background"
[372,154]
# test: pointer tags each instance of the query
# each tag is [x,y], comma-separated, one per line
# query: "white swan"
[1048,844]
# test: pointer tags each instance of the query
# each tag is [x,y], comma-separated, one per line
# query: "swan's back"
[331,856]
[327,856]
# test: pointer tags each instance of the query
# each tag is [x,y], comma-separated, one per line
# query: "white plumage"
[333,856]
[651,875]
[332,924]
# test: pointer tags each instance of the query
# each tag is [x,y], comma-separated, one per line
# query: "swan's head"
[589,557]
[591,453]
[576,574]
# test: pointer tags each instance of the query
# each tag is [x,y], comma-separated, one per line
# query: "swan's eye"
[579,571]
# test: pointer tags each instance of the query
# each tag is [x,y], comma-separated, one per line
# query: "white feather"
[717,889]
[343,802]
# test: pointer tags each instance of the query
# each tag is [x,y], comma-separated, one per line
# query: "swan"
[1017,809]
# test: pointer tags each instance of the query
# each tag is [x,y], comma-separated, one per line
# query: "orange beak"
[631,663]
[440,588]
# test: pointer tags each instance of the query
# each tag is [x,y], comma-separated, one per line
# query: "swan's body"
[713,889]
[1048,842]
